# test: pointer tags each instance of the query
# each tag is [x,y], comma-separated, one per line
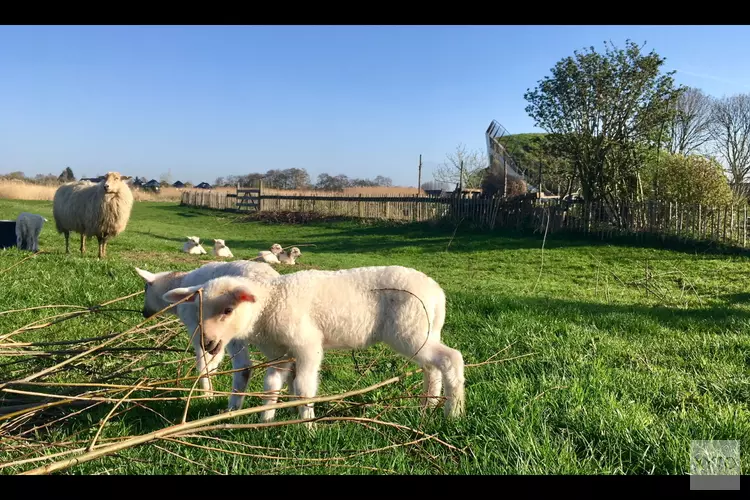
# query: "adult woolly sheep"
[28,227]
[93,209]
[307,312]
[157,284]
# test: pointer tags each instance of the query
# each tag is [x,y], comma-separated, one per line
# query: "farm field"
[583,358]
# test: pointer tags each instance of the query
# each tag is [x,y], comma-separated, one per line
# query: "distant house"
[178,185]
[204,185]
[152,184]
[438,188]
[137,182]
[93,179]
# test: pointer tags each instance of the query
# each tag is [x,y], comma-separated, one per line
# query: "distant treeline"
[298,178]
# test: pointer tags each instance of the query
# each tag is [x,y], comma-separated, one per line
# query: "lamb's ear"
[177,294]
[243,294]
[126,177]
[147,276]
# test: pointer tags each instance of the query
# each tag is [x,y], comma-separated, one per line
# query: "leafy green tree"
[67,175]
[603,112]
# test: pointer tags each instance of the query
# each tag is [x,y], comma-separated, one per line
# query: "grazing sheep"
[221,249]
[289,257]
[28,227]
[159,283]
[193,246]
[307,312]
[270,257]
[93,209]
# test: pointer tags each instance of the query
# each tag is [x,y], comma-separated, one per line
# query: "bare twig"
[22,261]
[195,424]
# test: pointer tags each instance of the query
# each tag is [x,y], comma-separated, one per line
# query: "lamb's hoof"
[310,427]
[429,403]
[454,409]
[267,416]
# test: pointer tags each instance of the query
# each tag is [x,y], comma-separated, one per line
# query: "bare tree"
[731,132]
[691,126]
[464,168]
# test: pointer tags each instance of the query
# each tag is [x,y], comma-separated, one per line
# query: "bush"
[692,179]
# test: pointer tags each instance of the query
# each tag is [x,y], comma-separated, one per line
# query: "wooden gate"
[248,198]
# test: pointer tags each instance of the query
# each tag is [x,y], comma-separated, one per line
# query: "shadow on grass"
[159,236]
[717,319]
[376,236]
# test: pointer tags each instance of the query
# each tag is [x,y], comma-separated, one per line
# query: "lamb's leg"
[448,362]
[37,231]
[67,241]
[202,358]
[308,360]
[101,246]
[240,361]
[276,377]
[206,363]
[433,386]
[83,243]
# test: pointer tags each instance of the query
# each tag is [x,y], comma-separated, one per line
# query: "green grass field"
[613,357]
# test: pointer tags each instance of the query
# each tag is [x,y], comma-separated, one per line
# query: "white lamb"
[157,284]
[304,313]
[193,246]
[289,257]
[221,249]
[270,257]
[28,227]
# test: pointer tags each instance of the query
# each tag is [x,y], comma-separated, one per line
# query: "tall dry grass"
[352,191]
[21,190]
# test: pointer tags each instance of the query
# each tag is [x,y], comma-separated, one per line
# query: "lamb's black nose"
[210,345]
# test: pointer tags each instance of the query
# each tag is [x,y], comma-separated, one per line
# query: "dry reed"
[21,190]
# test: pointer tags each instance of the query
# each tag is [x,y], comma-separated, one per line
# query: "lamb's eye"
[228,310]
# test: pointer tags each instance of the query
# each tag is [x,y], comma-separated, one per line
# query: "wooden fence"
[725,224]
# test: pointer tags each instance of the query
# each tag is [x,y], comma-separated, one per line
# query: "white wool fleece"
[308,312]
[159,283]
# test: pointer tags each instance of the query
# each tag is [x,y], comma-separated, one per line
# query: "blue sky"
[208,101]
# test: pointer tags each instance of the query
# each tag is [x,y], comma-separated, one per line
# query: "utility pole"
[540,178]
[461,179]
[505,176]
[419,181]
